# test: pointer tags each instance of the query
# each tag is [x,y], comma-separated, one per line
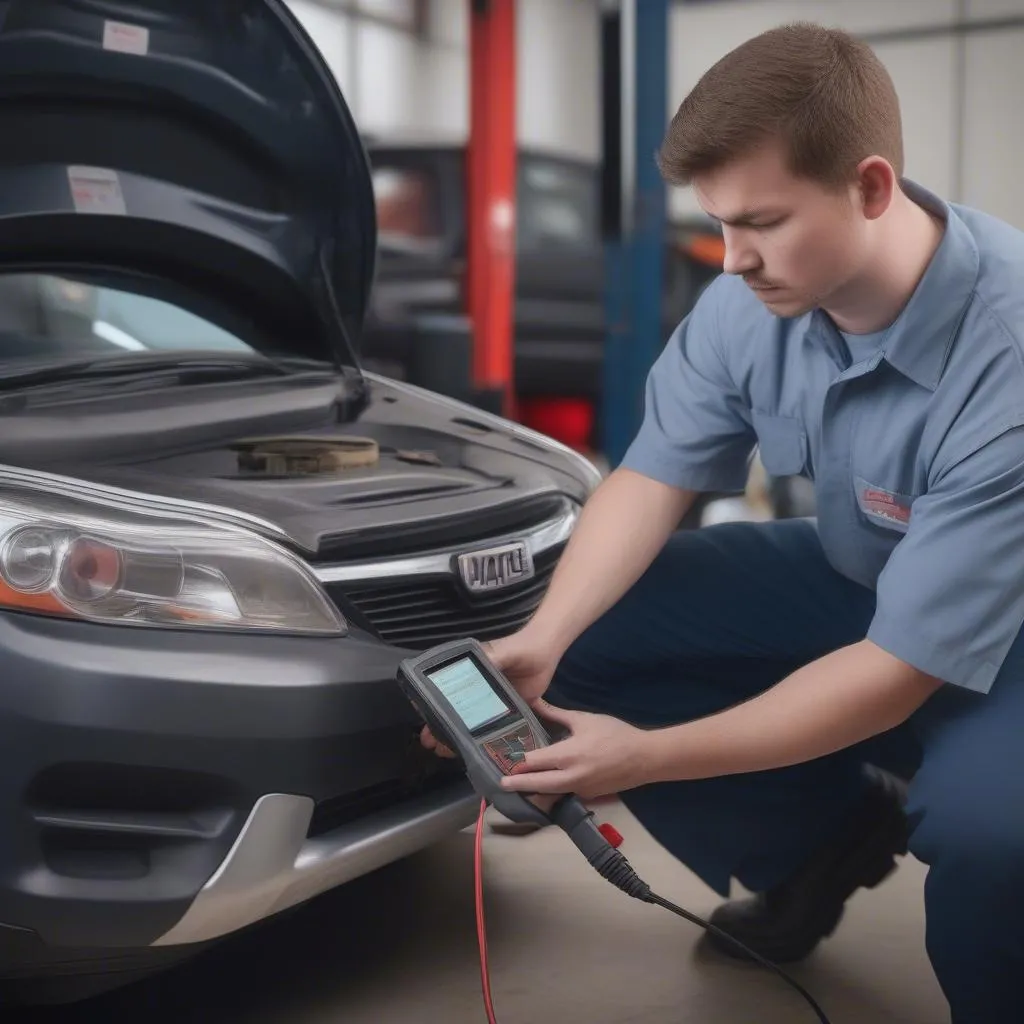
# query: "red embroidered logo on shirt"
[885,503]
[890,507]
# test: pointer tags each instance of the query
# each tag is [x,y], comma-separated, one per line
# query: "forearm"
[839,700]
[621,529]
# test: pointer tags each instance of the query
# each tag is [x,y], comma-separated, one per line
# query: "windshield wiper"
[190,367]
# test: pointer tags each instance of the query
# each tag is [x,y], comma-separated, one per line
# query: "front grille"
[417,613]
[475,527]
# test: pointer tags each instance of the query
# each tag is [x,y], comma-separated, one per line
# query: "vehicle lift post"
[491,201]
[634,119]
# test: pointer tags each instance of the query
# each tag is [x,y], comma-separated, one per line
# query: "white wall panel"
[400,85]
[559,68]
[387,73]
[983,9]
[994,135]
[330,31]
[924,75]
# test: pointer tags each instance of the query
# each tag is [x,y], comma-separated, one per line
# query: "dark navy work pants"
[727,611]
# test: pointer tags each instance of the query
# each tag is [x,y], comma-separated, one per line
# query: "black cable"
[714,930]
[578,824]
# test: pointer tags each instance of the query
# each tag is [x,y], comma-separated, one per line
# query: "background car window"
[557,205]
[44,316]
[408,208]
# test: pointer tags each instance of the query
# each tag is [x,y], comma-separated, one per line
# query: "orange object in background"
[707,249]
[569,420]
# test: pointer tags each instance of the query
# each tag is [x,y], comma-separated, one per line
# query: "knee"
[971,832]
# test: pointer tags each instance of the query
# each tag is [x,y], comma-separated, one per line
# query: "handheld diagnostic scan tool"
[473,709]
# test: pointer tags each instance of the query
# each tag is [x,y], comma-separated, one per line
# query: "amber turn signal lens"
[14,599]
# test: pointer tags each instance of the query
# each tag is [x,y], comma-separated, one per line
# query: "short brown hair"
[822,92]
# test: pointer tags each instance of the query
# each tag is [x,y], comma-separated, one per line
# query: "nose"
[740,256]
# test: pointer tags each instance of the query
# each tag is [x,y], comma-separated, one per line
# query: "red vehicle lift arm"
[491,200]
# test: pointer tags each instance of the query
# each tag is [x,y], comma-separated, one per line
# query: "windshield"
[47,317]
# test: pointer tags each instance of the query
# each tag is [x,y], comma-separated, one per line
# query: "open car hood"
[200,142]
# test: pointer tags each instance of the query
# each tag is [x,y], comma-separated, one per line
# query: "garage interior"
[532,263]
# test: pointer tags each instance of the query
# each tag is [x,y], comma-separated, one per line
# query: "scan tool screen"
[466,688]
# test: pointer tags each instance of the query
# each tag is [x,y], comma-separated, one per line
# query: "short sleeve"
[696,432]
[950,600]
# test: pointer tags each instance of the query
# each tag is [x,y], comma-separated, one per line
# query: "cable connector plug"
[578,824]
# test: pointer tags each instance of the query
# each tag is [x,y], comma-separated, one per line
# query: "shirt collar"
[920,339]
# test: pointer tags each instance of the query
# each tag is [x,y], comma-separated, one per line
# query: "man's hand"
[602,756]
[527,661]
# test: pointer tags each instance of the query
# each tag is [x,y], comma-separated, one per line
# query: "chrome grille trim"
[538,539]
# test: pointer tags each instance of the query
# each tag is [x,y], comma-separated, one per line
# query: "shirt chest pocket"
[782,443]
[886,507]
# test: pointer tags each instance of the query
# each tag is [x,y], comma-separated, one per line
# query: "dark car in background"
[559,310]
[218,533]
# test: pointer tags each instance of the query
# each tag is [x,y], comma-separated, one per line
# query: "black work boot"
[786,923]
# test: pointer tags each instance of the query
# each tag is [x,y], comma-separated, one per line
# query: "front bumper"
[163,789]
[273,866]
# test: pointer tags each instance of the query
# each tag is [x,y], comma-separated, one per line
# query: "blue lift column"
[635,50]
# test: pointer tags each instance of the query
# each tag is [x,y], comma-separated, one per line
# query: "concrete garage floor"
[400,945]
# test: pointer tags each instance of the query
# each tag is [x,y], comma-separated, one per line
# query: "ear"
[877,185]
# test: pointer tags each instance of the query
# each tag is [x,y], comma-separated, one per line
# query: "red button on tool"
[612,834]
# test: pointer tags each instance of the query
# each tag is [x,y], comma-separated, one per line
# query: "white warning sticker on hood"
[124,38]
[96,190]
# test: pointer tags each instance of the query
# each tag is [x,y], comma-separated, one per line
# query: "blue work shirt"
[916,451]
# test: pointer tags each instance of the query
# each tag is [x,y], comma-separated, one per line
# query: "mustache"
[760,282]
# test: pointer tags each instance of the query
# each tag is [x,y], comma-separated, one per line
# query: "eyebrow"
[748,217]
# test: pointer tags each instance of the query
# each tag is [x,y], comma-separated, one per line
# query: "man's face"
[797,244]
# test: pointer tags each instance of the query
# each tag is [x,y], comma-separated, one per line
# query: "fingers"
[555,782]
[555,714]
[540,760]
[551,769]
[429,740]
[493,652]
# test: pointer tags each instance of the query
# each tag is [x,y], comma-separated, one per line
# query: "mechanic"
[738,684]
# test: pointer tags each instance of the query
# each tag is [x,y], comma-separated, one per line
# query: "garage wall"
[960,92]
[332,33]
[993,134]
[559,60]
[399,84]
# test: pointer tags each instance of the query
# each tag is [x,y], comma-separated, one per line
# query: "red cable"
[481,926]
[610,833]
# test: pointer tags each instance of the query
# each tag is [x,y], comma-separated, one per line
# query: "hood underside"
[203,142]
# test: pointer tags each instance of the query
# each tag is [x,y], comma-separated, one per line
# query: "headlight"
[69,557]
